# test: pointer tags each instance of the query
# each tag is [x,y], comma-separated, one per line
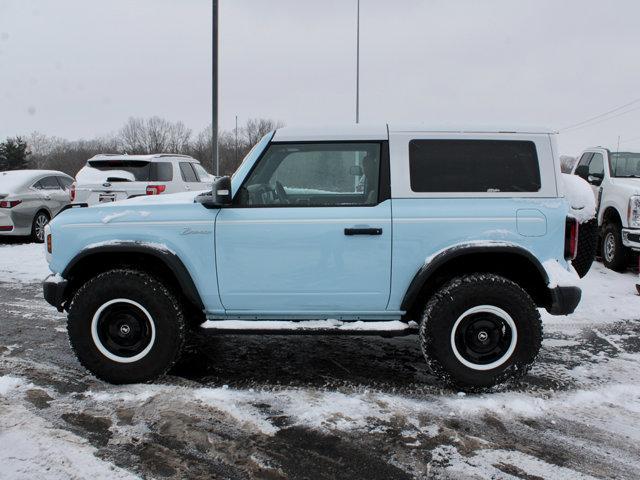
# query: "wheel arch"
[510,261]
[611,215]
[162,263]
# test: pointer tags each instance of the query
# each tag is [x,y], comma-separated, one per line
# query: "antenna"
[618,149]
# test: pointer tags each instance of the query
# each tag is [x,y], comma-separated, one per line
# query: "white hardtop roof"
[138,158]
[381,131]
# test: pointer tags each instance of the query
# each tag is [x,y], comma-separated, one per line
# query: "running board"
[393,328]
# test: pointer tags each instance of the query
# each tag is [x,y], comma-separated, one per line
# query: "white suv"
[112,177]
[615,180]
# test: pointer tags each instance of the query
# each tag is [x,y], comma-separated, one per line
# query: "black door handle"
[362,231]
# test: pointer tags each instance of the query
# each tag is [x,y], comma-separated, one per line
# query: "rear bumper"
[564,300]
[631,238]
[54,289]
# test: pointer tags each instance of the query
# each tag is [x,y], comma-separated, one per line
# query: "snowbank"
[24,263]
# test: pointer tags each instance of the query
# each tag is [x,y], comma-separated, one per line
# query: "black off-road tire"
[160,302]
[618,258]
[458,297]
[37,226]
[587,244]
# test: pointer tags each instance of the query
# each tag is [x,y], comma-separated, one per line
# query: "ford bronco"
[457,235]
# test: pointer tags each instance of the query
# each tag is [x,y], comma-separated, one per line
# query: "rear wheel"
[126,326]
[614,254]
[37,226]
[480,330]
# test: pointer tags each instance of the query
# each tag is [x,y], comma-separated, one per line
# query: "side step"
[394,328]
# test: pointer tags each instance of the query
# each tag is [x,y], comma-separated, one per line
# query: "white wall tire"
[504,356]
[104,304]
[512,314]
[99,342]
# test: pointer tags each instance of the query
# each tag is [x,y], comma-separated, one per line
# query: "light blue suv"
[458,235]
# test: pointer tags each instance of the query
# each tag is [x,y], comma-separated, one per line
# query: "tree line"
[137,136]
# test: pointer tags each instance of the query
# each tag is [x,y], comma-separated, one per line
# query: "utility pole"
[214,87]
[358,64]
[236,164]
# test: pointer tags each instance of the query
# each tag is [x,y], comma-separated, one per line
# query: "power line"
[601,115]
[582,125]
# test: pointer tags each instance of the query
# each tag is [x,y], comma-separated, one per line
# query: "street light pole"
[214,88]
[358,65]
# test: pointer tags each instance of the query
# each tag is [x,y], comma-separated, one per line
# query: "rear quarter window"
[161,172]
[473,166]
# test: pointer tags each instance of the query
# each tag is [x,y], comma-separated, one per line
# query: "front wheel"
[614,254]
[480,330]
[125,326]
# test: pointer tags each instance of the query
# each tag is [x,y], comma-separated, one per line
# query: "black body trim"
[54,291]
[171,260]
[564,300]
[362,231]
[432,266]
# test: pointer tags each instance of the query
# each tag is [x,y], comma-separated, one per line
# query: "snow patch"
[330,324]
[580,196]
[560,276]
[33,448]
[114,216]
[24,263]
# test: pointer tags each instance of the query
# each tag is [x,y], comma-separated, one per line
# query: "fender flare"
[430,267]
[167,257]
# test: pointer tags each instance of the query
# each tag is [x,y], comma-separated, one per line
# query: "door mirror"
[583,172]
[595,179]
[220,195]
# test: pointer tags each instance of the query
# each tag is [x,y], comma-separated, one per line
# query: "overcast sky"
[80,68]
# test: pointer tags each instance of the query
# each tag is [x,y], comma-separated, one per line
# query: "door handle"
[362,231]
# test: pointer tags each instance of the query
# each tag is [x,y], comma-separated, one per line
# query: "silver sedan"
[29,199]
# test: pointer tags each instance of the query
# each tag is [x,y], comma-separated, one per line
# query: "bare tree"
[154,135]
[256,128]
[566,163]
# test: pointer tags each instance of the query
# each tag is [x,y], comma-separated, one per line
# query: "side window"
[161,172]
[65,183]
[203,175]
[314,175]
[473,166]
[584,159]
[596,166]
[188,175]
[47,183]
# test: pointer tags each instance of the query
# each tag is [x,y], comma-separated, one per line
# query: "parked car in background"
[480,237]
[112,177]
[29,199]
[615,181]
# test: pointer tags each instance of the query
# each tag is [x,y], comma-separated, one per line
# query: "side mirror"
[595,179]
[583,172]
[220,195]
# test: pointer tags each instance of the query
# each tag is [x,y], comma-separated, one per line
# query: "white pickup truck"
[615,180]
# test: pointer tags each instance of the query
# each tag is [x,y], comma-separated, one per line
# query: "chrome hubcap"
[609,247]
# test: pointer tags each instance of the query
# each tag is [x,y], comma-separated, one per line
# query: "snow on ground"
[32,448]
[24,263]
[597,394]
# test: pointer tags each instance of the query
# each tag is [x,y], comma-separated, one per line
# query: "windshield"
[249,160]
[625,164]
